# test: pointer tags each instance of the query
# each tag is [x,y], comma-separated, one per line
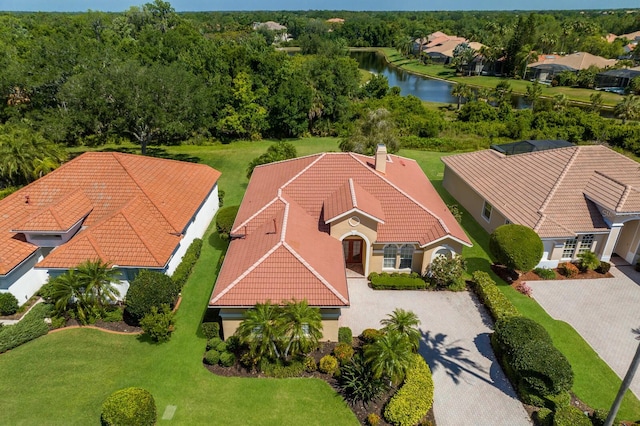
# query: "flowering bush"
[524,288]
[568,269]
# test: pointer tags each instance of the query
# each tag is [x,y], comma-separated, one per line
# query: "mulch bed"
[326,348]
[513,278]
[116,326]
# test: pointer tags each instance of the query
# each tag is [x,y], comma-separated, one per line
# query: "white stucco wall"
[196,228]
[24,281]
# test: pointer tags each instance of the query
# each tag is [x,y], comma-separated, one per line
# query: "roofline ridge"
[304,169]
[143,191]
[566,169]
[246,272]
[560,225]
[316,273]
[285,219]
[623,197]
[256,214]
[438,218]
[143,240]
[288,160]
[354,200]
[96,247]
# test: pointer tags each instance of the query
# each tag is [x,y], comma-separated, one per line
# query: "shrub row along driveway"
[604,311]
[470,387]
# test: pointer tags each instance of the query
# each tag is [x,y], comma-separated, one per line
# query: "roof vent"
[381,158]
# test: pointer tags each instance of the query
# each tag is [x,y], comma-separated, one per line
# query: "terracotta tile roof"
[137,208]
[577,61]
[349,198]
[554,191]
[284,210]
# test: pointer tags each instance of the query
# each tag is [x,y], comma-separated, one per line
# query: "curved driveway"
[470,387]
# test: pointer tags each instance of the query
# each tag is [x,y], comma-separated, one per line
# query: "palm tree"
[628,108]
[97,279]
[596,102]
[461,90]
[261,330]
[66,290]
[534,92]
[560,102]
[301,327]
[390,356]
[405,323]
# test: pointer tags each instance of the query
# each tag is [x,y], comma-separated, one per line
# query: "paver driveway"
[470,387]
[604,311]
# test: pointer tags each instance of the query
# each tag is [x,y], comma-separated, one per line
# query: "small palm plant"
[390,356]
[97,279]
[404,323]
[261,330]
[301,327]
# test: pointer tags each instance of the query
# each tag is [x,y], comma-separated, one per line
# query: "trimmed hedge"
[345,335]
[568,269]
[604,267]
[149,289]
[396,281]
[328,364]
[517,247]
[545,273]
[30,327]
[542,368]
[224,220]
[544,417]
[414,399]
[499,306]
[210,329]
[211,357]
[130,406]
[514,332]
[570,416]
[183,270]
[8,304]
[227,359]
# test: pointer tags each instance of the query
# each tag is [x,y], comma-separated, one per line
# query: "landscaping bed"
[513,278]
[325,348]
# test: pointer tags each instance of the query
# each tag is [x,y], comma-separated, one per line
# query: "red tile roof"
[285,209]
[554,191]
[137,209]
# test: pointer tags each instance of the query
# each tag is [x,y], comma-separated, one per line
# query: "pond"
[425,88]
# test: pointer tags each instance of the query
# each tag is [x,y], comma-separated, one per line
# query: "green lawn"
[64,377]
[595,383]
[518,86]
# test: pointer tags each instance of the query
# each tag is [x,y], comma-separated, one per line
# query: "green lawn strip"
[64,377]
[595,382]
[519,86]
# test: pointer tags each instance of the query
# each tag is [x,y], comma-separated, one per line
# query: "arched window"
[406,256]
[444,252]
[390,254]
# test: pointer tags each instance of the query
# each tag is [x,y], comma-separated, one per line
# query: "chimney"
[381,158]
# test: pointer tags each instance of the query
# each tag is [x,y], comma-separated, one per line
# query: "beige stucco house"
[577,198]
[304,224]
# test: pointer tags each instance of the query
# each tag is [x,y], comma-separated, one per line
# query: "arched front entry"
[355,251]
[628,243]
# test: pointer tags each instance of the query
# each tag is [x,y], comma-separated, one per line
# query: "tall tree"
[461,90]
[405,323]
[301,328]
[375,129]
[261,330]
[628,108]
[533,94]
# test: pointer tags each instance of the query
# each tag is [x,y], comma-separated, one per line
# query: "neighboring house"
[548,66]
[577,198]
[305,223]
[616,80]
[132,211]
[280,31]
[434,40]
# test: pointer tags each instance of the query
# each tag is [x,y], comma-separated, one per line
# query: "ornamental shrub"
[370,335]
[183,270]
[588,261]
[309,364]
[444,272]
[544,417]
[343,353]
[8,304]
[523,288]
[211,357]
[603,268]
[210,330]
[158,324]
[227,359]
[213,342]
[149,289]
[568,269]
[514,332]
[599,417]
[221,347]
[281,370]
[328,364]
[414,399]
[224,220]
[396,281]
[570,416]
[30,327]
[542,368]
[359,384]
[373,419]
[345,335]
[130,406]
[545,273]
[499,306]
[517,247]
[555,402]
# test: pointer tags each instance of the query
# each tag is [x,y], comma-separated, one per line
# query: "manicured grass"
[518,86]
[64,377]
[595,383]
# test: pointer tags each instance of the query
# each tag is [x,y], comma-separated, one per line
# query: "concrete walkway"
[470,387]
[604,311]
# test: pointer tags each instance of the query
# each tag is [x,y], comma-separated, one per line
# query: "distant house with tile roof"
[548,66]
[132,211]
[305,223]
[577,198]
